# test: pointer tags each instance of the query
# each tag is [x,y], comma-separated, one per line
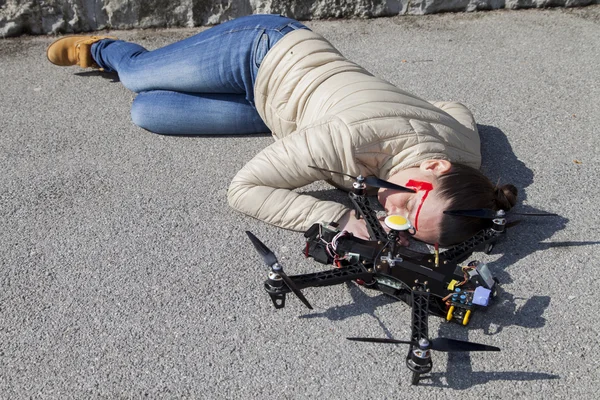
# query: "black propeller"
[487,213]
[371,181]
[271,261]
[263,250]
[439,344]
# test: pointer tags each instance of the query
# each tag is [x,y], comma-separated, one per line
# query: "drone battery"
[481,297]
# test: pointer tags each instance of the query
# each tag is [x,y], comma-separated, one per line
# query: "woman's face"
[424,209]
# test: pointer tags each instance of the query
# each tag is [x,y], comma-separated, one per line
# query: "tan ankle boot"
[74,50]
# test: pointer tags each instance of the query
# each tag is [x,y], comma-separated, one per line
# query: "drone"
[437,284]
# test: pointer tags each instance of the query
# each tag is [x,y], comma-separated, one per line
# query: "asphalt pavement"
[124,273]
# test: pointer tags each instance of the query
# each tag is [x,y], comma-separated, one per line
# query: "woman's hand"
[358,227]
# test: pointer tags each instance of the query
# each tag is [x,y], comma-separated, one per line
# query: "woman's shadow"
[500,164]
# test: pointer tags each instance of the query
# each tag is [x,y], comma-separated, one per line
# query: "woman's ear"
[438,167]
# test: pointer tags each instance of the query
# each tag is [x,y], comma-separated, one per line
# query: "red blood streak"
[420,185]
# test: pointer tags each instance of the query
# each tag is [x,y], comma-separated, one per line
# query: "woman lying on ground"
[264,73]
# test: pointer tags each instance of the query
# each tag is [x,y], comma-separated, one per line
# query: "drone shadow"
[529,315]
[456,377]
[362,304]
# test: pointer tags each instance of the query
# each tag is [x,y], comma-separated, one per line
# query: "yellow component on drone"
[451,284]
[465,320]
[397,223]
[450,312]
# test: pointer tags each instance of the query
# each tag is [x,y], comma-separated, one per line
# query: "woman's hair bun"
[505,196]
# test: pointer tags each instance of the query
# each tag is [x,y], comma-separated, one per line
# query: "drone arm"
[326,278]
[364,209]
[462,251]
[418,359]
[420,313]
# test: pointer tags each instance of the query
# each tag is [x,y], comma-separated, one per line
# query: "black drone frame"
[393,274]
[422,280]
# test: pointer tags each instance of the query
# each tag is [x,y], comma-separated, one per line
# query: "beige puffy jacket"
[329,112]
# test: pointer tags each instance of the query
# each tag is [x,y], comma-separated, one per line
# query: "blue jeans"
[200,85]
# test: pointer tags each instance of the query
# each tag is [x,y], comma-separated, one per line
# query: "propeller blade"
[452,345]
[536,214]
[271,260]
[439,344]
[378,340]
[371,181]
[333,172]
[380,183]
[485,213]
[263,250]
[290,283]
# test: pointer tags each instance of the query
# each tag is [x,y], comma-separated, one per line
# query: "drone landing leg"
[278,299]
[273,285]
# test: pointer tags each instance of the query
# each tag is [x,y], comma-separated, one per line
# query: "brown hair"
[467,188]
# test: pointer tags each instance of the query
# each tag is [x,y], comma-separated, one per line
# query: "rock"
[70,16]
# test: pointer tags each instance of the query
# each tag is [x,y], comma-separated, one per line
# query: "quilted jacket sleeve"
[264,187]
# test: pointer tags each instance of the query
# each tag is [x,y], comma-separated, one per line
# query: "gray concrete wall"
[69,16]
